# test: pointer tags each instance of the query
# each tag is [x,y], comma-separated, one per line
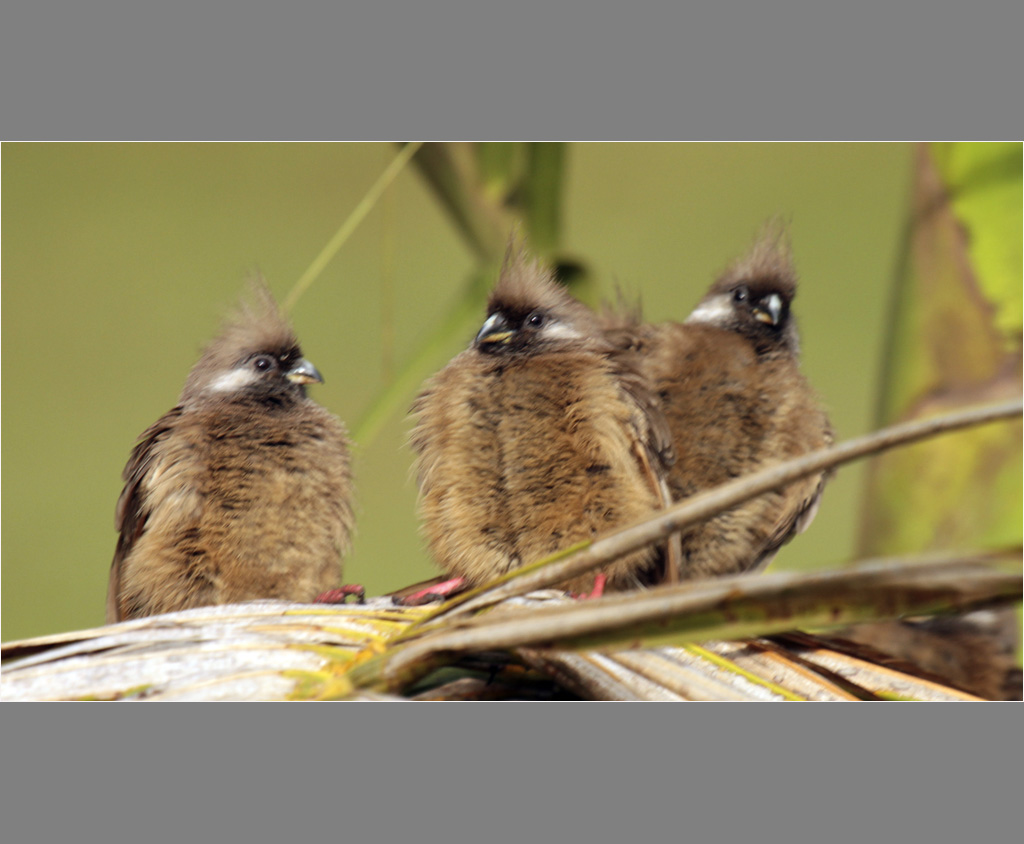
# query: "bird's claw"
[340,596]
[599,582]
[432,594]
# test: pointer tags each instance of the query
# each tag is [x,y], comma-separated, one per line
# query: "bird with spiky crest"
[243,490]
[541,434]
[730,386]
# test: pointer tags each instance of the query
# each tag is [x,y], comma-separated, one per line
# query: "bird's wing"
[654,430]
[132,512]
[798,519]
[792,522]
[653,449]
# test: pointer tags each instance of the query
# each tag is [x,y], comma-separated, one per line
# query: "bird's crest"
[255,325]
[766,268]
[525,284]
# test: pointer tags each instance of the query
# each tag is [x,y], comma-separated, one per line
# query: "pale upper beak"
[304,373]
[494,330]
[769,309]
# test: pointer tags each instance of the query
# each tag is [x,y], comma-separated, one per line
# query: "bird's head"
[256,356]
[753,298]
[528,312]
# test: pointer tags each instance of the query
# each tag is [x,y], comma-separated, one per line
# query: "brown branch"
[545,573]
[730,607]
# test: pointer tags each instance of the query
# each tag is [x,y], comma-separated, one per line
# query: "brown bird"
[243,490]
[538,436]
[736,402]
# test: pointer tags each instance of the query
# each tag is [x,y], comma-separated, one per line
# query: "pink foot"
[599,581]
[338,596]
[436,593]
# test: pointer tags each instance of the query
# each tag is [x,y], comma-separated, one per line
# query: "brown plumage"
[538,436]
[736,402]
[243,490]
[972,651]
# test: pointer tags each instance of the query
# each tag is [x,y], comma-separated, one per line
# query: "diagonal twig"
[587,556]
[733,607]
[351,223]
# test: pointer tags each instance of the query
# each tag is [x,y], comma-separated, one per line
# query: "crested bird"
[243,490]
[540,435]
[736,401]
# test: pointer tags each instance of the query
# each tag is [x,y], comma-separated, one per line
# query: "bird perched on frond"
[241,491]
[731,388]
[538,436]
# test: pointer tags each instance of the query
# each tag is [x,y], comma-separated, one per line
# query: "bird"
[729,382]
[243,490]
[538,436]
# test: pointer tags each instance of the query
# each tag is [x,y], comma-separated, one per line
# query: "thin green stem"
[351,223]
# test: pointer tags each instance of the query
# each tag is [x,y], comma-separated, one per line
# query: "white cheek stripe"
[715,311]
[233,381]
[560,331]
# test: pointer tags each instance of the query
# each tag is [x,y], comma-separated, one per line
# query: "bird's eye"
[535,320]
[740,294]
[263,363]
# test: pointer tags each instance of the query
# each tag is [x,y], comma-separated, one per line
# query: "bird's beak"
[304,373]
[769,309]
[495,330]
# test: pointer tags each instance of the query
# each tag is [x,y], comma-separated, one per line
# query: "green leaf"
[984,184]
[397,395]
[486,189]
[542,195]
[954,339]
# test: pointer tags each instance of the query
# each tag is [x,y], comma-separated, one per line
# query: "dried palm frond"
[278,650]
[246,651]
[703,640]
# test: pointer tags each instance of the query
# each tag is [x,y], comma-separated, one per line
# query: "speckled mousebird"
[540,435]
[736,401]
[241,491]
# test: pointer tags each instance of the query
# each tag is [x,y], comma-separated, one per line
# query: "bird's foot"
[339,596]
[432,594]
[599,582]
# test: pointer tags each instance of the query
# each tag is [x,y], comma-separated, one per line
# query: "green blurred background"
[120,260]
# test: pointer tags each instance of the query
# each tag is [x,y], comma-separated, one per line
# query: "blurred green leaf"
[395,397]
[983,182]
[501,166]
[453,173]
[542,195]
[487,189]
[954,339]
[944,494]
